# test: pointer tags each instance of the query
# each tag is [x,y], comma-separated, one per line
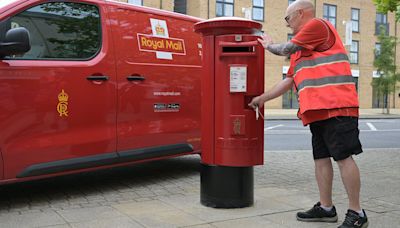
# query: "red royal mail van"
[88,84]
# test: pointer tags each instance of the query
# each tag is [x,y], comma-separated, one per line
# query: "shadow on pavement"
[120,179]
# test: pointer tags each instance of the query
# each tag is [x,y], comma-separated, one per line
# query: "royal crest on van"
[62,106]
[160,42]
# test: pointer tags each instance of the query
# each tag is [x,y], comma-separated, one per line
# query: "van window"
[61,30]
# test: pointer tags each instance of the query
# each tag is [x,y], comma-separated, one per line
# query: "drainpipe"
[160,4]
[315,8]
[208,9]
[395,60]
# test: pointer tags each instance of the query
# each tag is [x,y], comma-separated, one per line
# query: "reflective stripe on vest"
[320,82]
[321,61]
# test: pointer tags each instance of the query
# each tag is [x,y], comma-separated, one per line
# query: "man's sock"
[361,213]
[327,208]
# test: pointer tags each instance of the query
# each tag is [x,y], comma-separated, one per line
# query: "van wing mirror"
[16,41]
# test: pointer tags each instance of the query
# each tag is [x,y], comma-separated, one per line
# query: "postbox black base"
[226,187]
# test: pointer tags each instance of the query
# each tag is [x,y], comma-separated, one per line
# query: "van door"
[58,101]
[158,86]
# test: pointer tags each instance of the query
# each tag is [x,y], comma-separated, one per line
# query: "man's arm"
[278,49]
[283,49]
[276,91]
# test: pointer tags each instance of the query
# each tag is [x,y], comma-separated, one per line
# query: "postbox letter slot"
[238,49]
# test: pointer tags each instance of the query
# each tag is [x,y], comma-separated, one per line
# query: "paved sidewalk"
[364,113]
[166,194]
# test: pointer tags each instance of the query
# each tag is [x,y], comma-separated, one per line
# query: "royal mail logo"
[159,44]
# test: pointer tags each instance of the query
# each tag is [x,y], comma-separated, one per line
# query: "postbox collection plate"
[238,78]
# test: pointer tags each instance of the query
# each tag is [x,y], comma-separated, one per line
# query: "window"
[377,50]
[224,8]
[289,37]
[136,2]
[180,6]
[381,22]
[291,1]
[379,100]
[355,79]
[330,13]
[258,10]
[61,30]
[355,19]
[354,52]
[289,98]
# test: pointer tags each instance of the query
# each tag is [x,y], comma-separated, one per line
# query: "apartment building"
[361,37]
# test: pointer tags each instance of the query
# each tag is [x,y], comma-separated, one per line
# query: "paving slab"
[38,219]
[89,214]
[261,206]
[57,226]
[170,218]
[119,222]
[145,207]
[252,222]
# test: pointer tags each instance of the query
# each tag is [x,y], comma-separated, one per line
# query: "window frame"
[328,17]
[354,20]
[379,23]
[258,7]
[99,27]
[223,3]
[141,2]
[185,8]
[376,54]
[355,52]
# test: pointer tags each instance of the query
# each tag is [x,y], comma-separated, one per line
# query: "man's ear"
[301,13]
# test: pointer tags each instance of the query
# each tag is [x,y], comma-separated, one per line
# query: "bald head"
[300,5]
[298,14]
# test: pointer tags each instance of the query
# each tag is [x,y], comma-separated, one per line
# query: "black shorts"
[337,137]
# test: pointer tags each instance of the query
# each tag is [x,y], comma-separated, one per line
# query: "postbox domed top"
[227,25]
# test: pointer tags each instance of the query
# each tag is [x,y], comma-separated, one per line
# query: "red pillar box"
[232,137]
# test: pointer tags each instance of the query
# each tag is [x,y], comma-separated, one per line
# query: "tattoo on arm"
[284,49]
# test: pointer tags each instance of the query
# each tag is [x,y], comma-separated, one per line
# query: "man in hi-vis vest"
[320,71]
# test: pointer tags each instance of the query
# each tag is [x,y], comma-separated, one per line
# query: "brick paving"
[166,194]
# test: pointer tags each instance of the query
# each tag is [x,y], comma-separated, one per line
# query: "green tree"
[385,6]
[384,62]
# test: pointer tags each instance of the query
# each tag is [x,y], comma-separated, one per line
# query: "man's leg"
[351,180]
[324,176]
[323,211]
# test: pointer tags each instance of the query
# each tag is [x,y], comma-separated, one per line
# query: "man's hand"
[257,102]
[265,40]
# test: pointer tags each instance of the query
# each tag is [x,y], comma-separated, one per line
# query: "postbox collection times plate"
[238,79]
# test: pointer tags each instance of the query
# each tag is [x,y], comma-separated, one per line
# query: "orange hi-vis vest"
[323,79]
